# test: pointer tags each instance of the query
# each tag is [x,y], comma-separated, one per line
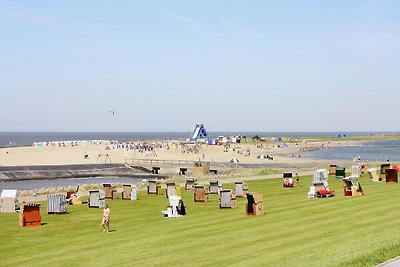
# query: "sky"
[232,65]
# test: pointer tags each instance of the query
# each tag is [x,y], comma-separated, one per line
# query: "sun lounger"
[325,193]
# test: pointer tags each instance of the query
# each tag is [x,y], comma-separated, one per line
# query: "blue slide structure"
[199,133]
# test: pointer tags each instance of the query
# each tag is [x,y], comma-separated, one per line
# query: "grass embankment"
[295,231]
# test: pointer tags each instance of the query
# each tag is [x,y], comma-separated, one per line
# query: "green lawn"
[295,231]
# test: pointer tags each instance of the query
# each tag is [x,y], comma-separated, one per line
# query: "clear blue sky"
[233,65]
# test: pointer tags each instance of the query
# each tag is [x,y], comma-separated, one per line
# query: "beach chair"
[254,205]
[227,199]
[332,169]
[153,187]
[363,168]
[129,192]
[355,171]
[241,189]
[325,193]
[391,176]
[173,190]
[30,215]
[200,193]
[340,172]
[352,187]
[384,167]
[287,180]
[214,187]
[176,207]
[109,191]
[56,204]
[373,175]
[190,183]
[311,193]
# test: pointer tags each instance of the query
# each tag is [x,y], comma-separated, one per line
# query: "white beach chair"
[311,193]
[176,207]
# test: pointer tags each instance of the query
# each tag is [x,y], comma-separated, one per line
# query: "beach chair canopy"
[321,177]
[9,193]
[354,181]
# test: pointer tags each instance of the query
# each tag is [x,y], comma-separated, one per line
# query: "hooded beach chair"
[241,189]
[373,175]
[227,199]
[176,207]
[190,183]
[391,176]
[254,204]
[352,187]
[288,179]
[200,193]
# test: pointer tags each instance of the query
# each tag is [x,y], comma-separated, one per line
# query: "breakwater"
[43,172]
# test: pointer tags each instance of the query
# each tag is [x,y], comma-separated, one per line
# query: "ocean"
[12,139]
[388,150]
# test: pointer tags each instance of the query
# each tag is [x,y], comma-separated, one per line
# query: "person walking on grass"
[105,222]
[297,180]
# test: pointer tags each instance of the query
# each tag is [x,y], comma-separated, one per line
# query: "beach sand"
[50,155]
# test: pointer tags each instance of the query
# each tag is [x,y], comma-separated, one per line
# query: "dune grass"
[295,231]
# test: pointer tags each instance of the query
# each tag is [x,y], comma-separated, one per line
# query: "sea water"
[387,150]
[13,139]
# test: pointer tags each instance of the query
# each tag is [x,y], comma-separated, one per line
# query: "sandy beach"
[287,155]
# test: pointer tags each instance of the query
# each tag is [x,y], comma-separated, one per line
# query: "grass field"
[295,231]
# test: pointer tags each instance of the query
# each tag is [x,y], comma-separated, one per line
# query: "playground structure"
[199,134]
[104,157]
